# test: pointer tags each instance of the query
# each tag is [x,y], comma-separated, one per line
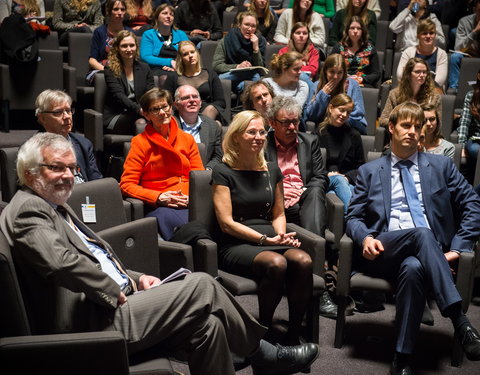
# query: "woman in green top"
[324,7]
[354,8]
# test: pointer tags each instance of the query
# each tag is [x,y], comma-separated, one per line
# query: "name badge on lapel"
[89,214]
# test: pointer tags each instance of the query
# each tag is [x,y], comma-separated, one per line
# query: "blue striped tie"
[411,193]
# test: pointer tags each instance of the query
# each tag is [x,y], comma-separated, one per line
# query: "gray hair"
[176,96]
[30,154]
[46,99]
[288,104]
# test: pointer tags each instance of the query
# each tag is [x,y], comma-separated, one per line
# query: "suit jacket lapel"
[302,157]
[425,175]
[385,174]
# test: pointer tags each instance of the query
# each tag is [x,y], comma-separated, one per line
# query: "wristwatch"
[262,239]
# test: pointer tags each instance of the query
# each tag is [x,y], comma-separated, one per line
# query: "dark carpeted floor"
[369,343]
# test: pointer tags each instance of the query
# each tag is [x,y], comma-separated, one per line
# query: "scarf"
[239,49]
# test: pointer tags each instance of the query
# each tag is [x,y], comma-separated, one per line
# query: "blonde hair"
[238,126]
[132,8]
[115,62]
[179,66]
[280,63]
[81,4]
[267,17]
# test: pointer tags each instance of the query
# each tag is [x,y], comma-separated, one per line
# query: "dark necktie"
[411,193]
[113,258]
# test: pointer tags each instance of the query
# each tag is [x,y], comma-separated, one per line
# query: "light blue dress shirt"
[400,217]
[194,129]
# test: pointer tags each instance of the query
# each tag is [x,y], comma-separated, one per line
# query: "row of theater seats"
[134,238]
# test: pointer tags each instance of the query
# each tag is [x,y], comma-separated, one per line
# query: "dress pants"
[415,256]
[196,316]
[309,212]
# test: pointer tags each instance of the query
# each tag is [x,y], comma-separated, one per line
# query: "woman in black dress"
[248,200]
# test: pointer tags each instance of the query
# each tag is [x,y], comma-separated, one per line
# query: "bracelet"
[262,239]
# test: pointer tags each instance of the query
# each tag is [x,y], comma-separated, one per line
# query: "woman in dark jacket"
[344,148]
[127,80]
[199,19]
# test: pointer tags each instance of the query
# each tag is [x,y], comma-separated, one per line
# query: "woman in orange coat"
[157,167]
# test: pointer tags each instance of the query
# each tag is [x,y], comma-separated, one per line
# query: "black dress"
[253,196]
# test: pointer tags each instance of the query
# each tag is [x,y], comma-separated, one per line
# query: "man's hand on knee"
[372,248]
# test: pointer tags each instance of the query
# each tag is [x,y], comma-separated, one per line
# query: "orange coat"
[155,165]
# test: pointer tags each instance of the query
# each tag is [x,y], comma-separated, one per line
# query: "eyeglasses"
[287,122]
[261,133]
[156,110]
[420,72]
[430,119]
[61,112]
[61,168]
[189,97]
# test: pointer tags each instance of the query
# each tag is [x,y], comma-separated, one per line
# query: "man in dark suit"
[299,157]
[73,281]
[411,215]
[305,180]
[55,113]
[203,128]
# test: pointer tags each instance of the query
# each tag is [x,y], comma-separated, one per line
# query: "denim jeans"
[454,74]
[472,149]
[238,78]
[339,185]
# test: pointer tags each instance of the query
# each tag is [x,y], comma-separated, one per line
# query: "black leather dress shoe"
[290,360]
[400,365]
[328,308]
[401,370]
[470,340]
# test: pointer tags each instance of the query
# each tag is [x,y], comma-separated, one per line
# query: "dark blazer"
[85,157]
[210,93]
[311,164]
[211,137]
[117,101]
[62,281]
[452,206]
[351,155]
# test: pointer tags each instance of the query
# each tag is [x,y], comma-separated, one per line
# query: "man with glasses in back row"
[305,180]
[55,113]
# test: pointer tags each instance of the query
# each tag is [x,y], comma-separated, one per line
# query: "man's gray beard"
[47,191]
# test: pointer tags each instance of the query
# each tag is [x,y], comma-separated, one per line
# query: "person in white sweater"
[302,11]
[435,57]
[286,80]
[405,25]
[373,5]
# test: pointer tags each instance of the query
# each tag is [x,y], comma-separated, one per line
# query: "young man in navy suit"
[411,215]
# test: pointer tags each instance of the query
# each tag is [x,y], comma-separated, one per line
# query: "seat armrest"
[173,256]
[70,81]
[72,353]
[335,216]
[344,266]
[465,276]
[313,244]
[380,136]
[93,128]
[4,79]
[137,207]
[127,207]
[205,257]
[136,244]
[454,136]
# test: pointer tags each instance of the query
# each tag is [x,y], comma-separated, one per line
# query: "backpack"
[18,41]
